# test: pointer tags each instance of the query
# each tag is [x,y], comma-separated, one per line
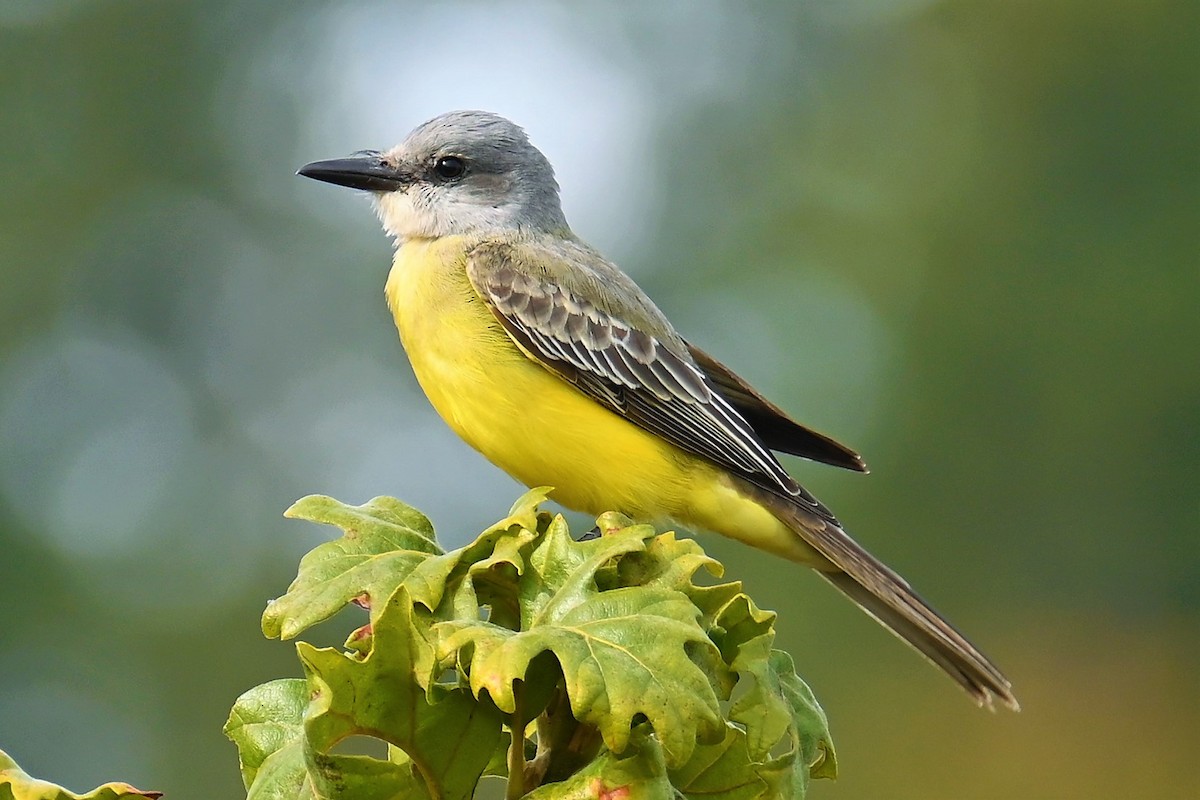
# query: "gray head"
[459,173]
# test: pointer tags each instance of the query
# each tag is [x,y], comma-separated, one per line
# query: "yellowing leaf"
[15,784]
[267,725]
[724,770]
[447,743]
[810,724]
[384,543]
[639,774]
[624,653]
[604,660]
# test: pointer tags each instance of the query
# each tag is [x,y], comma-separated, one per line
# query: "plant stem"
[516,748]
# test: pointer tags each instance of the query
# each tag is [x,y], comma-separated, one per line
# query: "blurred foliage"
[961,235]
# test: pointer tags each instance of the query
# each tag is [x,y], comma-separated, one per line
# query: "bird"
[548,359]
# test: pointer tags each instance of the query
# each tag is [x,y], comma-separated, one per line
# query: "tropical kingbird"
[552,363]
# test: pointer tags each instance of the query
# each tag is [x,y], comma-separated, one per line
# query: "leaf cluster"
[598,668]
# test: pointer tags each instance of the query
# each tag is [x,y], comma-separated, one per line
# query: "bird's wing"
[777,430]
[618,364]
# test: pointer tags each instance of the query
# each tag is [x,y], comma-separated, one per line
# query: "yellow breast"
[540,429]
[451,337]
[518,414]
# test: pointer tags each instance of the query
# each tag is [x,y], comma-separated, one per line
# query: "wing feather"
[772,424]
[634,373]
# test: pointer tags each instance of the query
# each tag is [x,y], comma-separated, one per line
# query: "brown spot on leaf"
[615,793]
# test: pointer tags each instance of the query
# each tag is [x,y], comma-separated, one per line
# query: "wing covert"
[627,369]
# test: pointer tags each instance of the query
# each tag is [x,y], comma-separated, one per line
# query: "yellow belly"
[541,430]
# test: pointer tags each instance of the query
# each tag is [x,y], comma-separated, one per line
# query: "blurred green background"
[962,236]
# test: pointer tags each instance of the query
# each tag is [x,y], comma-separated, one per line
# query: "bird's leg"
[594,533]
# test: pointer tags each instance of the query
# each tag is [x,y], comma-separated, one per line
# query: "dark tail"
[937,640]
[888,598]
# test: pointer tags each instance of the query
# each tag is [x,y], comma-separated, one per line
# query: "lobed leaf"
[779,707]
[339,777]
[15,784]
[487,570]
[811,726]
[725,770]
[267,726]
[639,774]
[279,763]
[624,653]
[447,744]
[385,543]
[611,641]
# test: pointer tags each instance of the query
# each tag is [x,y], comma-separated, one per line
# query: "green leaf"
[267,725]
[725,771]
[638,774]
[15,784]
[607,652]
[338,777]
[384,543]
[278,762]
[487,570]
[763,709]
[779,706]
[448,743]
[728,615]
[808,718]
[624,653]
[667,561]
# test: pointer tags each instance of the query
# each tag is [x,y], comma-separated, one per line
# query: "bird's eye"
[450,167]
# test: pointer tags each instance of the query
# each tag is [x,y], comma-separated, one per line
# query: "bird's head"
[459,173]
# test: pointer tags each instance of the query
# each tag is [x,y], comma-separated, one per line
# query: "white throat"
[421,214]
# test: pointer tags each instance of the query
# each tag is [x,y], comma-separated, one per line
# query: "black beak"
[366,170]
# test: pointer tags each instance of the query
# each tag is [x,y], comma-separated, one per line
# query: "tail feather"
[888,598]
[944,646]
